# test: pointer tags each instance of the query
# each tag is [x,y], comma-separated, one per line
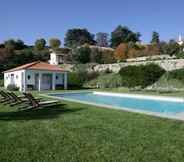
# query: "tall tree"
[78,37]
[54,43]
[20,44]
[83,54]
[121,52]
[10,44]
[155,38]
[173,48]
[102,39]
[40,44]
[123,34]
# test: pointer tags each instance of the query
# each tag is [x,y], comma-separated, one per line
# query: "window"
[28,77]
[17,76]
[56,77]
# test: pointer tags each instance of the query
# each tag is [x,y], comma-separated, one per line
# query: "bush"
[1,82]
[142,75]
[105,81]
[74,80]
[12,87]
[77,79]
[180,55]
[176,74]
[83,55]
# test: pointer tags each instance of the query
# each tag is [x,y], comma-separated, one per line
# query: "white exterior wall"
[56,59]
[17,78]
[53,59]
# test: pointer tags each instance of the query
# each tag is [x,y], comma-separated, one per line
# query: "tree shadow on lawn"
[37,114]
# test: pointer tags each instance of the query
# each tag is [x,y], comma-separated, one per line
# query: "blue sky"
[32,19]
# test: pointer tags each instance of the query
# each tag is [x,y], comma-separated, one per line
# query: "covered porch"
[44,80]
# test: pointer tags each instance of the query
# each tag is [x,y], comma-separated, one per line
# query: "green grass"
[77,132]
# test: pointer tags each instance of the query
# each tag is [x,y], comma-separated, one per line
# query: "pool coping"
[178,116]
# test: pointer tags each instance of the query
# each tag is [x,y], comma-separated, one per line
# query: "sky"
[32,19]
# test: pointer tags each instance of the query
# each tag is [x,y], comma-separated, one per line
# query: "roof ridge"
[31,64]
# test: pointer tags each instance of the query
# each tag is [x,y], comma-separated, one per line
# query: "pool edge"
[178,116]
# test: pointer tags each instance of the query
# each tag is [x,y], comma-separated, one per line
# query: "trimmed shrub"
[143,75]
[12,87]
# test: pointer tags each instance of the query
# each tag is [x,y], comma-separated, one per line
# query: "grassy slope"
[77,132]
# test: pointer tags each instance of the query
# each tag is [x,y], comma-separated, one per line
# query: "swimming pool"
[153,105]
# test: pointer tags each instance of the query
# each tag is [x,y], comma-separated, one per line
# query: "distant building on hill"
[59,56]
[180,40]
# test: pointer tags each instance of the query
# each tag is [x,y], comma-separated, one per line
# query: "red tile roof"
[38,65]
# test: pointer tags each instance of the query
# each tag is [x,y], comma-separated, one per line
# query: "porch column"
[53,81]
[65,80]
[39,81]
[25,82]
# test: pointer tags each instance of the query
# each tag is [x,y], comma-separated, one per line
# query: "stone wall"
[168,65]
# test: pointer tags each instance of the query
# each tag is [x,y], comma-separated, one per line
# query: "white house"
[37,76]
[180,40]
[58,56]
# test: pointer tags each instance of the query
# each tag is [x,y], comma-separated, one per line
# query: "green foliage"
[123,34]
[142,75]
[83,54]
[171,48]
[10,45]
[12,87]
[40,44]
[54,43]
[180,55]
[155,38]
[1,83]
[75,80]
[106,80]
[78,37]
[177,74]
[167,84]
[78,78]
[21,57]
[96,55]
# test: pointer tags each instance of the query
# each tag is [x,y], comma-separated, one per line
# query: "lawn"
[78,132]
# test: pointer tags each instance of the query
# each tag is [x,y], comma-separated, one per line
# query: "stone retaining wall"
[168,65]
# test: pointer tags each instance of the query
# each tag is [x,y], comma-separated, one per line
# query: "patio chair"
[34,103]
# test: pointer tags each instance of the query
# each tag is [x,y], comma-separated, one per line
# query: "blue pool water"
[157,106]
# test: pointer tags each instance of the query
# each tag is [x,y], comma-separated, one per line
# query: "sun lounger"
[36,104]
[5,98]
[17,99]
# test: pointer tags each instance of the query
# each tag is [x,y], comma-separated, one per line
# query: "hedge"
[143,75]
